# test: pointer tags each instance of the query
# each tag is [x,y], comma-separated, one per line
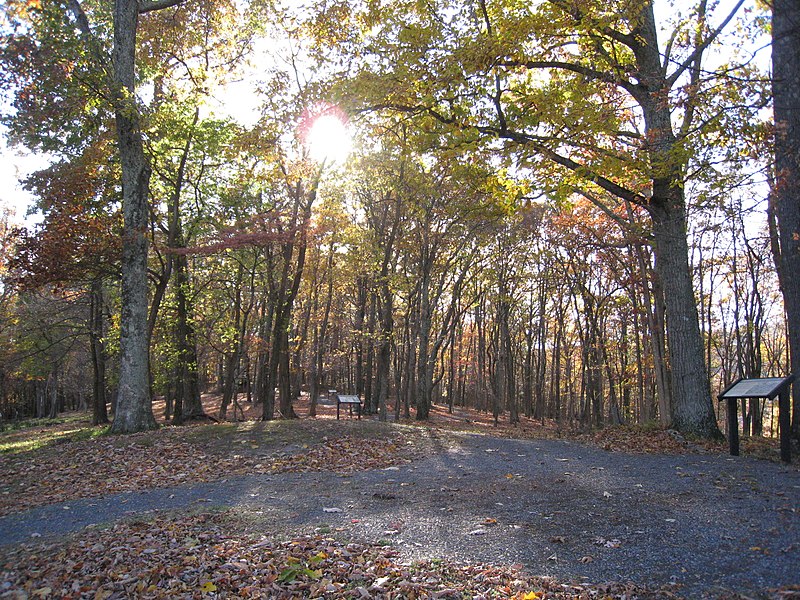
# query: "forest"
[568,210]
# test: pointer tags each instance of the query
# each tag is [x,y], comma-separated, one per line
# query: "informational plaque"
[768,387]
[350,401]
[345,399]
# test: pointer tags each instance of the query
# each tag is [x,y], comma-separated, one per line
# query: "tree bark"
[692,410]
[99,409]
[134,410]
[786,193]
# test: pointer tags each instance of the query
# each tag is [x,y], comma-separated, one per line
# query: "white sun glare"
[329,140]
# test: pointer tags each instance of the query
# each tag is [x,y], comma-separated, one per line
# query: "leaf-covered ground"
[209,556]
[69,459]
[214,555]
[180,455]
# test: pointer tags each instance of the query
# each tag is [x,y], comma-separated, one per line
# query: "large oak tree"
[133,410]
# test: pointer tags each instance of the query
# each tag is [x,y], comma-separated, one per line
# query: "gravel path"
[710,523]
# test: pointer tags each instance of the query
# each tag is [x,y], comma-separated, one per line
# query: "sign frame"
[759,387]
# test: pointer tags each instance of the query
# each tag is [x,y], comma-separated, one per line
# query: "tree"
[586,97]
[134,411]
[786,193]
[133,407]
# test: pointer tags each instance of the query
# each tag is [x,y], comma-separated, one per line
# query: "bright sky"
[15,166]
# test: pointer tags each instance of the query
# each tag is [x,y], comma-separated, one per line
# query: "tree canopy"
[552,209]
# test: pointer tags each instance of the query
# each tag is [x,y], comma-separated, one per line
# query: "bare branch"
[694,56]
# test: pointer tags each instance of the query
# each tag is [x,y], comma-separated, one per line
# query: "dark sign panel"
[768,387]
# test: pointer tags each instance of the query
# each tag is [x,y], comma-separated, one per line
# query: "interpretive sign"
[350,401]
[766,387]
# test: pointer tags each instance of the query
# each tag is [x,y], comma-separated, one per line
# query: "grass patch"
[11,426]
[28,440]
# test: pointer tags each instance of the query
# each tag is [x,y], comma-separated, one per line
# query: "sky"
[15,166]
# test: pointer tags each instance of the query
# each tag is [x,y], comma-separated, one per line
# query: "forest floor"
[456,508]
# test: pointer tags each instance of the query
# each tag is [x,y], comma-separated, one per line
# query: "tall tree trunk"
[362,295]
[321,335]
[188,401]
[134,410]
[384,350]
[233,356]
[786,193]
[370,400]
[692,410]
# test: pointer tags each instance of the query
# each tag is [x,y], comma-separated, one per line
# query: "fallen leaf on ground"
[227,562]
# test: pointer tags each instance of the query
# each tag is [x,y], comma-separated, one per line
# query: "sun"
[329,139]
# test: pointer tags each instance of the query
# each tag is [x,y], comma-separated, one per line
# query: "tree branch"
[151,5]
[82,21]
[628,86]
[693,57]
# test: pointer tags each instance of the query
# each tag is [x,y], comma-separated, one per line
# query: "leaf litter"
[138,551]
[169,457]
[209,555]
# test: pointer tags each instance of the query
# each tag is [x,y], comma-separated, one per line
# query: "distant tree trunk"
[506,388]
[99,409]
[52,393]
[540,356]
[188,405]
[370,400]
[527,367]
[362,297]
[480,354]
[266,315]
[786,193]
[321,335]
[285,392]
[384,350]
[233,355]
[653,304]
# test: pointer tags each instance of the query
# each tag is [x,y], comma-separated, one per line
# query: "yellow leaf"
[531,596]
[208,587]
